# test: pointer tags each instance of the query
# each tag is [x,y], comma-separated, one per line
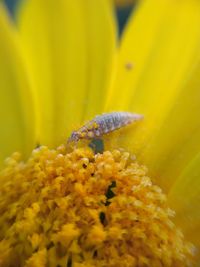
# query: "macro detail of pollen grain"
[84,209]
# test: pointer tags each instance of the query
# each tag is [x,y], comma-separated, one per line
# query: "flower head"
[90,210]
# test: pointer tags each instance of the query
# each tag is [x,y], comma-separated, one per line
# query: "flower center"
[85,209]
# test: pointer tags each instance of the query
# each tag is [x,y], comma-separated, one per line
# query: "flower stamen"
[85,209]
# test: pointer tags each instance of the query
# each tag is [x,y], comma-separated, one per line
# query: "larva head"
[74,137]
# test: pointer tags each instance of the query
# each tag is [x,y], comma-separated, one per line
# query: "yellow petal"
[184,197]
[159,54]
[16,99]
[178,140]
[70,46]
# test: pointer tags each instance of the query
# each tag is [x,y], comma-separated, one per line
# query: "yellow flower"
[61,67]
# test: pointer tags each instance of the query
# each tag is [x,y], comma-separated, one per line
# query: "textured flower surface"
[82,209]
[60,65]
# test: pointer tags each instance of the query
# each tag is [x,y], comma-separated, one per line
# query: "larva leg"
[97,145]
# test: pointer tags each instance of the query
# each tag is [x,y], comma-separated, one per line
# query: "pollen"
[83,209]
[93,125]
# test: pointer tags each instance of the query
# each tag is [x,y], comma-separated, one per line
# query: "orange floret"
[80,209]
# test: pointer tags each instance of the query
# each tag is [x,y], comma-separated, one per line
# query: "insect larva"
[103,124]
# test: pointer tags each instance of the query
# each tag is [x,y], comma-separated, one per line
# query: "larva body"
[103,124]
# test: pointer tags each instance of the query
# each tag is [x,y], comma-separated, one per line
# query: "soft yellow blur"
[17,110]
[70,47]
[158,76]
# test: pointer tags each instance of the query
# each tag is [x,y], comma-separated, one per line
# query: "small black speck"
[69,262]
[84,166]
[109,193]
[102,217]
[95,254]
[50,245]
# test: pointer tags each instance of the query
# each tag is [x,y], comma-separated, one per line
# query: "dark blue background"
[11,4]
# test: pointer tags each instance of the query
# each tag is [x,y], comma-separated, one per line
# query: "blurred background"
[122,11]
